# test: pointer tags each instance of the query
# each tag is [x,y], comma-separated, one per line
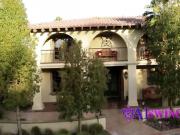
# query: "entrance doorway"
[115,92]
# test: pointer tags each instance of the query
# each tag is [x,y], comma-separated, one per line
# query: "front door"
[113,93]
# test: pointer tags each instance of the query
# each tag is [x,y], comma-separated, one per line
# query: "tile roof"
[90,22]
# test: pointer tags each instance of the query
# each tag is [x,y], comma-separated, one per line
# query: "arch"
[57,36]
[110,34]
[109,41]
[53,51]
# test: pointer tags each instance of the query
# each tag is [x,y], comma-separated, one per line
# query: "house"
[118,41]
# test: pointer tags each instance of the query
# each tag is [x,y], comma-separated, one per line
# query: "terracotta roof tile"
[90,22]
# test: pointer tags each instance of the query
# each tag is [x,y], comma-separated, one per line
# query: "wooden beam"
[58,29]
[50,30]
[43,30]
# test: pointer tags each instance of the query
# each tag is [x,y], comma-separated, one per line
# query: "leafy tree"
[18,72]
[97,76]
[58,18]
[83,84]
[163,30]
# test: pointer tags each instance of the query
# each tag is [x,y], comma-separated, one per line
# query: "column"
[132,86]
[132,83]
[37,102]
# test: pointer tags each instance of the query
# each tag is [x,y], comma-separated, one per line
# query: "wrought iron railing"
[105,54]
[109,54]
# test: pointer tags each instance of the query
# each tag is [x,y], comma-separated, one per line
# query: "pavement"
[118,125]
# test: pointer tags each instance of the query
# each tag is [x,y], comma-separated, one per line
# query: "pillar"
[37,102]
[132,86]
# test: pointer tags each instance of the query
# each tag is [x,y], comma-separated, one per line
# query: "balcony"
[110,57]
[51,56]
[105,54]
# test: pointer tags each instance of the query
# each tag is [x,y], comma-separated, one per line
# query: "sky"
[47,10]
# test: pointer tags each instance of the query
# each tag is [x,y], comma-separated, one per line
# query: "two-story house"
[119,42]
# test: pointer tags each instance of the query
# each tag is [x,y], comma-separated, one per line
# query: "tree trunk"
[97,117]
[79,122]
[18,121]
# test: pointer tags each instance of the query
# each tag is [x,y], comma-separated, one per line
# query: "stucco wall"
[46,87]
[141,81]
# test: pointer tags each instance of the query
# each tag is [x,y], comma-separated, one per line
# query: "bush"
[8,134]
[35,131]
[1,113]
[83,133]
[85,128]
[63,132]
[48,132]
[95,129]
[24,132]
[104,132]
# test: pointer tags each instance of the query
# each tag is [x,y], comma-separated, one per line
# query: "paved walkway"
[118,125]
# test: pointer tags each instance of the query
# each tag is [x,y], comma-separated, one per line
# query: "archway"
[52,48]
[108,46]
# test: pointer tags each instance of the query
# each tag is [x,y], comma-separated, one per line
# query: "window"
[56,81]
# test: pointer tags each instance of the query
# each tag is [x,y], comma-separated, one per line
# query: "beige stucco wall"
[46,87]
[141,81]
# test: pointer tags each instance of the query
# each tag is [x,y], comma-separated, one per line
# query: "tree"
[18,72]
[163,30]
[58,18]
[83,84]
[97,76]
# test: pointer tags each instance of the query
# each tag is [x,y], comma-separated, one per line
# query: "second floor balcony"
[105,54]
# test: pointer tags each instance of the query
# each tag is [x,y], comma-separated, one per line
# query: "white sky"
[47,10]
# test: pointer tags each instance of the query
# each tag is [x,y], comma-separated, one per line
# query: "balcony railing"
[51,56]
[109,54]
[105,54]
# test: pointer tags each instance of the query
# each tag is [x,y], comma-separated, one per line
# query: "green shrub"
[48,131]
[83,133]
[95,129]
[1,113]
[178,102]
[104,132]
[85,128]
[35,131]
[8,134]
[63,132]
[24,132]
